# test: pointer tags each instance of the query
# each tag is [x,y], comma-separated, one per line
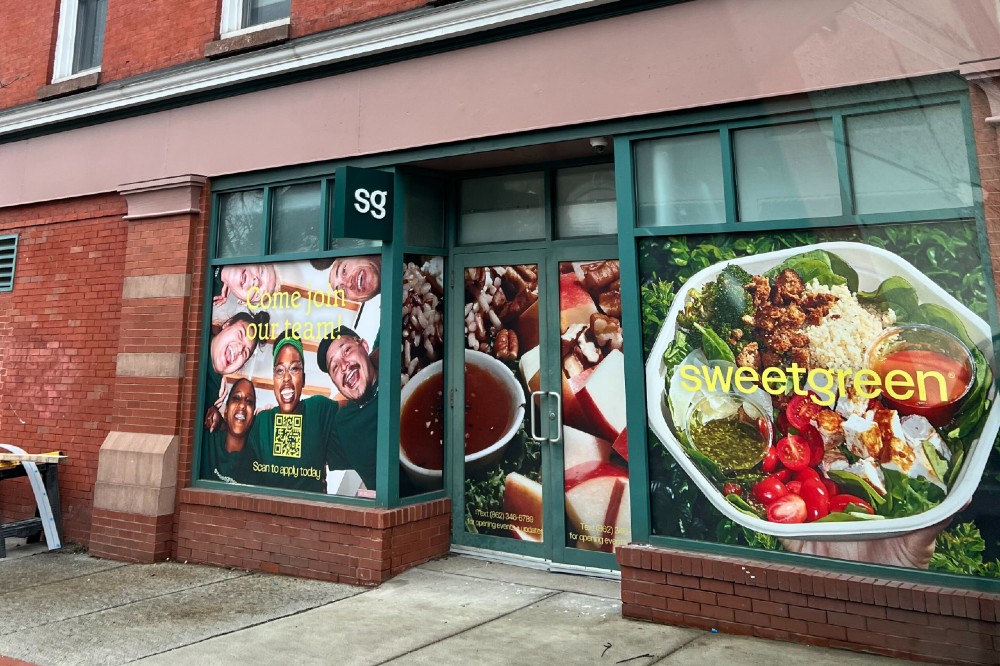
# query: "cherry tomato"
[840,502]
[831,487]
[732,489]
[806,474]
[782,423]
[770,460]
[794,487]
[787,509]
[816,498]
[801,410]
[784,475]
[793,452]
[769,489]
[816,450]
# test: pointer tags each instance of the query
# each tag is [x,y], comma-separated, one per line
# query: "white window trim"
[62,66]
[232,20]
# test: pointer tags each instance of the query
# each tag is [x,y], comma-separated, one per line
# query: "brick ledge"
[358,516]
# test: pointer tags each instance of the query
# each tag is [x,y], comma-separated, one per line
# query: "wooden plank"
[32,457]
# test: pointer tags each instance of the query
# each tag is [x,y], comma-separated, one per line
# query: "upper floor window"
[238,15]
[81,37]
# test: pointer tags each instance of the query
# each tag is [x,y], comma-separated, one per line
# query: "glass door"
[540,408]
[497,435]
[590,448]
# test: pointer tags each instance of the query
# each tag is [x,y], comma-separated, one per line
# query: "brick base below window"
[782,602]
[130,537]
[344,544]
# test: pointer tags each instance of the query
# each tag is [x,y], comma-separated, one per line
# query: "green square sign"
[362,204]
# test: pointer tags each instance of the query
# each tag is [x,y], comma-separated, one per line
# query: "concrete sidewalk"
[65,608]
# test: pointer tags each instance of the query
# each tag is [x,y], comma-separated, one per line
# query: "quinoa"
[845,333]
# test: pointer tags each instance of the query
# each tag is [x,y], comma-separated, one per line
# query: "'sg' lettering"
[373,202]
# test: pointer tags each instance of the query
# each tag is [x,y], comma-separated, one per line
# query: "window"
[680,181]
[585,201]
[81,37]
[501,208]
[913,159]
[8,257]
[239,15]
[787,172]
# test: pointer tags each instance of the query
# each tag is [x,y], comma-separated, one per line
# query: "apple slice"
[603,396]
[621,445]
[527,327]
[530,365]
[593,503]
[575,303]
[580,447]
[522,498]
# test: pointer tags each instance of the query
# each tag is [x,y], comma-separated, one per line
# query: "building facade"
[703,292]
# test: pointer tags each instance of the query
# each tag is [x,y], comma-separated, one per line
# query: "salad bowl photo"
[870,415]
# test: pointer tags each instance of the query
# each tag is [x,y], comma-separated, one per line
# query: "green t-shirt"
[292,450]
[356,444]
[220,465]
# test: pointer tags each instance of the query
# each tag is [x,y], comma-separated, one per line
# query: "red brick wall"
[345,544]
[132,538]
[58,343]
[739,596]
[311,16]
[988,150]
[142,36]
[28,34]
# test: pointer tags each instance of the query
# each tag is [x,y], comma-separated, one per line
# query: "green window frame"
[8,261]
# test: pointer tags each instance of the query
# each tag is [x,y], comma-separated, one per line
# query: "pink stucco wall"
[695,54]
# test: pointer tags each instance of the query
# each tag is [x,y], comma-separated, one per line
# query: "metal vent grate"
[8,257]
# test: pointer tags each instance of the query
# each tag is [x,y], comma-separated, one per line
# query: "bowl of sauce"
[494,411]
[730,429]
[925,370]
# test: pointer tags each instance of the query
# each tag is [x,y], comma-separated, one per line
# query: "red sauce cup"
[925,371]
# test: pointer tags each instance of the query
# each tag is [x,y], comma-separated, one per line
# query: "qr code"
[288,435]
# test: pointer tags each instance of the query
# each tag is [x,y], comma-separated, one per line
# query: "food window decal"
[828,392]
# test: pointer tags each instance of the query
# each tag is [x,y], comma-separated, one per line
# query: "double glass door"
[538,445]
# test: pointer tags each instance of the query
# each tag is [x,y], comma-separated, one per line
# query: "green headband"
[288,340]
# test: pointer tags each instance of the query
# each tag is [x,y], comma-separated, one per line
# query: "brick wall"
[28,35]
[58,340]
[780,602]
[311,16]
[142,36]
[312,539]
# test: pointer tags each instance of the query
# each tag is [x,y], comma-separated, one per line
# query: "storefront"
[730,336]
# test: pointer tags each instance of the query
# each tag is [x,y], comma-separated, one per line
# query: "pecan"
[600,275]
[610,303]
[587,352]
[568,339]
[522,301]
[607,331]
[513,283]
[505,346]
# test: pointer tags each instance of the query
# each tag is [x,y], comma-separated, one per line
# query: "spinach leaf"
[714,346]
[895,293]
[938,464]
[908,497]
[742,505]
[812,265]
[851,513]
[858,486]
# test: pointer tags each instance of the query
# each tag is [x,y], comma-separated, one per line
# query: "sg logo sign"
[372,203]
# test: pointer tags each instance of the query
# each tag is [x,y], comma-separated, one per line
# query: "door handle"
[533,415]
[557,416]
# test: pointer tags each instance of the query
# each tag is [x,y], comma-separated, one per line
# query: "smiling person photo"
[226,457]
[233,344]
[360,278]
[246,280]
[345,357]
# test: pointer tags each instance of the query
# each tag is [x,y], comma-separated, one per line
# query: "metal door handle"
[558,415]
[534,421]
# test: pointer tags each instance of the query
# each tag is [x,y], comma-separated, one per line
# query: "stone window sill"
[247,42]
[69,86]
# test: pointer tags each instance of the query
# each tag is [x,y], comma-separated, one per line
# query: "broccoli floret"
[721,305]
